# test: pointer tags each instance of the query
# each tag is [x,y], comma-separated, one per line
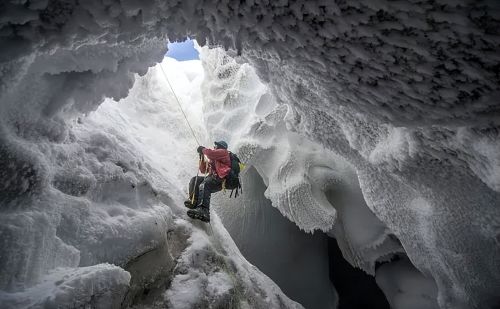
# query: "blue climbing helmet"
[221,144]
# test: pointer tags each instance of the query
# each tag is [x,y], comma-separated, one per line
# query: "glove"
[200,149]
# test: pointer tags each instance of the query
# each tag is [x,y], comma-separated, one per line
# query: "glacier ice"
[405,287]
[295,170]
[113,183]
[399,98]
[100,286]
[296,261]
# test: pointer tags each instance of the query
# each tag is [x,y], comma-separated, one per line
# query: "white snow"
[205,277]
[100,286]
[308,184]
[400,96]
[115,182]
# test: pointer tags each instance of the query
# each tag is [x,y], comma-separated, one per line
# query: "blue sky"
[182,51]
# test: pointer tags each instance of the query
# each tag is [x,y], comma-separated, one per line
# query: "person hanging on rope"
[221,175]
[223,168]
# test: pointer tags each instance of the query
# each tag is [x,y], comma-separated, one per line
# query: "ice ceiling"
[404,93]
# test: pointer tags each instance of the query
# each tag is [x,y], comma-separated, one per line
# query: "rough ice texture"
[401,103]
[207,278]
[310,185]
[110,194]
[405,287]
[296,261]
[405,91]
[98,286]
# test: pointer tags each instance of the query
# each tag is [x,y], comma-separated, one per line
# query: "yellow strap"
[195,182]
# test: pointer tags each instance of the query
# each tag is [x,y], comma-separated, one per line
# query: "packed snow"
[374,121]
[98,286]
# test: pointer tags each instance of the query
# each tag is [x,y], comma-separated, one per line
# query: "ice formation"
[405,287]
[390,106]
[114,182]
[310,185]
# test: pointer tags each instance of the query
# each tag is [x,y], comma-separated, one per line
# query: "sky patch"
[182,51]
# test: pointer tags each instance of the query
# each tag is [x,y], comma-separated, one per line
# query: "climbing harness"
[196,180]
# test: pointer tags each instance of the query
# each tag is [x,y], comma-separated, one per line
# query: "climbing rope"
[187,121]
[179,104]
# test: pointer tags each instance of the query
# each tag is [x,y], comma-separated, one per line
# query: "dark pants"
[204,187]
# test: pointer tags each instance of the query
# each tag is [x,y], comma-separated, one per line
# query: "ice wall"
[296,261]
[110,191]
[405,287]
[308,184]
[405,91]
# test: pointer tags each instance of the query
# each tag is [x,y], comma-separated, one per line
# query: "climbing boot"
[189,205]
[200,213]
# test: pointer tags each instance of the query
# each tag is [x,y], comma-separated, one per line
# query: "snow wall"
[108,230]
[403,93]
[309,184]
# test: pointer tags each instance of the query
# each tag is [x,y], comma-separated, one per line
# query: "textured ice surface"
[98,286]
[405,91]
[310,185]
[207,279]
[405,287]
[112,185]
[296,261]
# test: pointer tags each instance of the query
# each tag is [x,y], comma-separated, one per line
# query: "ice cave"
[369,129]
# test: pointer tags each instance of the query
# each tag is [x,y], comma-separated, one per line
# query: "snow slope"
[405,92]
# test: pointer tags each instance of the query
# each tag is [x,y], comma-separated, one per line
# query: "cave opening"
[183,50]
[295,260]
[159,121]
[291,257]
[401,91]
[355,288]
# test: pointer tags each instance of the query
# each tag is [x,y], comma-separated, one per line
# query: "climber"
[218,168]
